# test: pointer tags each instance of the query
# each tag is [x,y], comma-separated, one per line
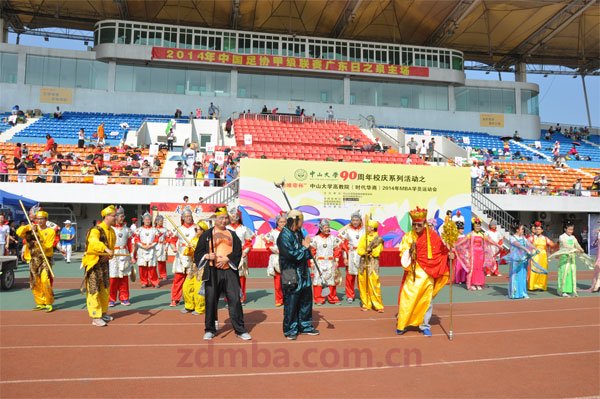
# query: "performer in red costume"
[273,268]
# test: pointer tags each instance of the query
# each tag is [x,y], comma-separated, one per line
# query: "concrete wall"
[546,203]
[27,96]
[105,194]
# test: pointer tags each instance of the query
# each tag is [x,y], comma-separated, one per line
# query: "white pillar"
[451,99]
[112,74]
[234,83]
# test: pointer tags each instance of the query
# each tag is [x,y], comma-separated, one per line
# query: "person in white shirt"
[475,174]
[4,234]
[190,155]
[458,218]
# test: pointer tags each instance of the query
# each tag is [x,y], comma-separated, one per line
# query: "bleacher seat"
[318,141]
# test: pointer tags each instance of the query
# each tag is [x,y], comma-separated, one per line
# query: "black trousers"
[226,281]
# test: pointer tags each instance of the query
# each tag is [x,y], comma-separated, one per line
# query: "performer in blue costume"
[521,251]
[297,298]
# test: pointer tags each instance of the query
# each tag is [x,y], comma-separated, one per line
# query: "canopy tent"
[7,198]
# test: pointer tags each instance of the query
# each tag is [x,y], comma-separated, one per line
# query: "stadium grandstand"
[329,107]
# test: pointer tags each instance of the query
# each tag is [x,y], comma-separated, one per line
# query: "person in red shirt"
[49,143]
[17,155]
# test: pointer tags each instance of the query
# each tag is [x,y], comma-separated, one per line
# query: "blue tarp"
[7,198]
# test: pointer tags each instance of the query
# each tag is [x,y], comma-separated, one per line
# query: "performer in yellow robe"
[369,248]
[193,301]
[424,257]
[40,279]
[539,281]
[100,246]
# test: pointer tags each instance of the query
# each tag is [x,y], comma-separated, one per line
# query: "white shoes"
[245,336]
[99,323]
[208,336]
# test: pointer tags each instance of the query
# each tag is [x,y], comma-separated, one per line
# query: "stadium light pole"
[587,104]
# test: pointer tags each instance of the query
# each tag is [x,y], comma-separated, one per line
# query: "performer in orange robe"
[424,257]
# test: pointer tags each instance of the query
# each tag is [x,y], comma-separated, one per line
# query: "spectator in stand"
[17,154]
[596,185]
[228,126]
[81,138]
[475,174]
[543,184]
[265,110]
[179,172]
[170,139]
[100,134]
[577,187]
[189,155]
[212,111]
[548,134]
[516,136]
[56,170]
[49,146]
[556,150]
[178,113]
[558,128]
[430,149]
[230,173]
[186,199]
[298,110]
[85,170]
[22,170]
[330,113]
[42,176]
[573,152]
[199,175]
[423,150]
[412,146]
[211,173]
[145,172]
[3,170]
[57,113]
[25,150]
[198,113]
[191,117]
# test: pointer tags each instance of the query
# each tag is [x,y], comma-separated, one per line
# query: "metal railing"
[224,195]
[287,118]
[492,210]
[111,179]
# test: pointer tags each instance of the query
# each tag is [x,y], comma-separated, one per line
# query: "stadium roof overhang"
[496,33]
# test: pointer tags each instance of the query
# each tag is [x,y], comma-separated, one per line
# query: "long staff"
[451,330]
[450,236]
[281,187]
[178,231]
[37,239]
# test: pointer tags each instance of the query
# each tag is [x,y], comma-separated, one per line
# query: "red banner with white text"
[275,62]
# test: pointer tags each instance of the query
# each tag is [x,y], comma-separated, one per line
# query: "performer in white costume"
[326,249]
[119,267]
[351,235]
